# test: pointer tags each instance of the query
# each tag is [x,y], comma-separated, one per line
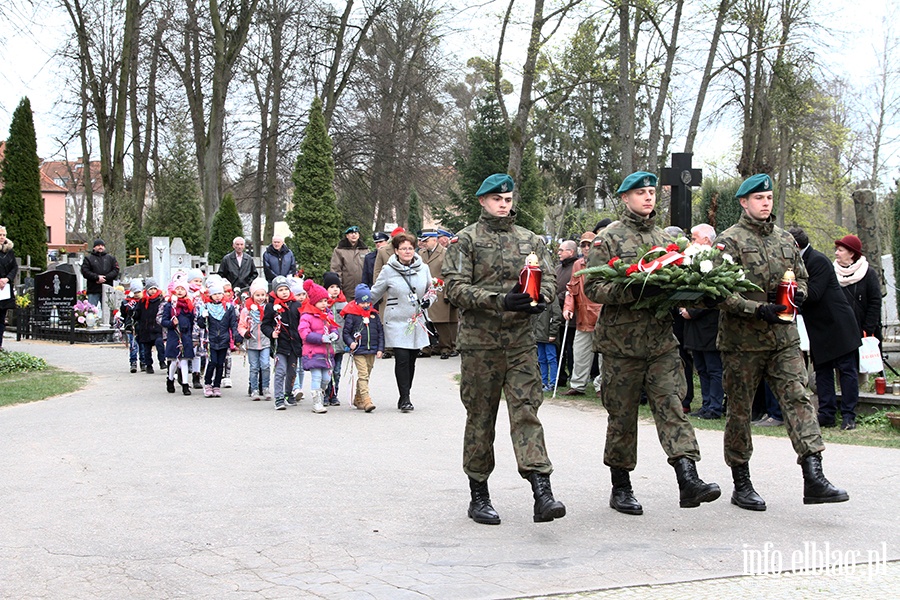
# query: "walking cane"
[562,354]
[356,337]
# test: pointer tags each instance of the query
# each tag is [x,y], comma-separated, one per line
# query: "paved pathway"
[123,491]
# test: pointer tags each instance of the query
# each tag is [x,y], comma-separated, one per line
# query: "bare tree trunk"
[518,136]
[86,161]
[340,71]
[281,64]
[143,138]
[784,162]
[104,91]
[662,96]
[626,90]
[724,6]
[260,200]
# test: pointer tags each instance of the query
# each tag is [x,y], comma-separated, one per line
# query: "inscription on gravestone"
[54,289]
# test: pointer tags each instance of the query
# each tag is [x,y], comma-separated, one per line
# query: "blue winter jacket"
[222,331]
[278,262]
[370,335]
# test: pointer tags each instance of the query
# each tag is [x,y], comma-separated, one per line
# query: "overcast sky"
[30,69]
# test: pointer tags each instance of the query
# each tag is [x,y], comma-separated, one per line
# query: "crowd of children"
[198,322]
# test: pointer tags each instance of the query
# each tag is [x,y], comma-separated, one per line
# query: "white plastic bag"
[870,356]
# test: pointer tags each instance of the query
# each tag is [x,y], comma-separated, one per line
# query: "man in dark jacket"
[98,268]
[278,259]
[237,267]
[368,274]
[833,336]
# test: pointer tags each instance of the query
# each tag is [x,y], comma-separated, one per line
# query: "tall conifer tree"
[21,203]
[226,226]
[488,154]
[314,218]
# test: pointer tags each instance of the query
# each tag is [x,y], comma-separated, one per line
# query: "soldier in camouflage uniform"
[497,347]
[640,352]
[756,343]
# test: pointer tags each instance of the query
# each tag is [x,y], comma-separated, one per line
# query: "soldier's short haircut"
[706,230]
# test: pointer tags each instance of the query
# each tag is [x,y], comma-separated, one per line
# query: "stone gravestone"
[179,257]
[112,299]
[54,290]
[159,257]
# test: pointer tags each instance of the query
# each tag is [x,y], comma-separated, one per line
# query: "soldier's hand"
[516,301]
[769,313]
[425,304]
[799,297]
[537,308]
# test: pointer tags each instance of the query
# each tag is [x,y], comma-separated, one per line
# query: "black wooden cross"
[681,177]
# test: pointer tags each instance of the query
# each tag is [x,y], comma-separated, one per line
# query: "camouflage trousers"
[662,378]
[515,372]
[786,374]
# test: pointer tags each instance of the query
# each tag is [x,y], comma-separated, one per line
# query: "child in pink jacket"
[318,330]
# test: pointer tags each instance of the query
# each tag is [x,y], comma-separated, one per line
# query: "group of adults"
[640,353]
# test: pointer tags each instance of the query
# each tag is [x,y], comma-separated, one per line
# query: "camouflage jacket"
[765,252]
[478,272]
[621,331]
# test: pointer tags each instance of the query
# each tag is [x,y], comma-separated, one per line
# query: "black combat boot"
[546,507]
[744,495]
[480,508]
[196,381]
[622,497]
[817,489]
[170,385]
[185,389]
[693,489]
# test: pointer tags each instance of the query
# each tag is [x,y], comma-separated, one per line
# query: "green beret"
[756,183]
[641,179]
[498,183]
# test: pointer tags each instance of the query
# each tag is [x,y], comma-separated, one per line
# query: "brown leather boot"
[367,405]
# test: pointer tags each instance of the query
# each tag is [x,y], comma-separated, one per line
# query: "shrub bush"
[16,362]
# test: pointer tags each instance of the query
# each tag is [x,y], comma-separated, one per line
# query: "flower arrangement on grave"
[23,301]
[685,272]
[81,295]
[85,313]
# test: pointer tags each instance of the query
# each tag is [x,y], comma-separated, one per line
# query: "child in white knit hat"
[255,341]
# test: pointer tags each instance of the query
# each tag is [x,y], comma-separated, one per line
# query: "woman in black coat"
[860,284]
[8,270]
